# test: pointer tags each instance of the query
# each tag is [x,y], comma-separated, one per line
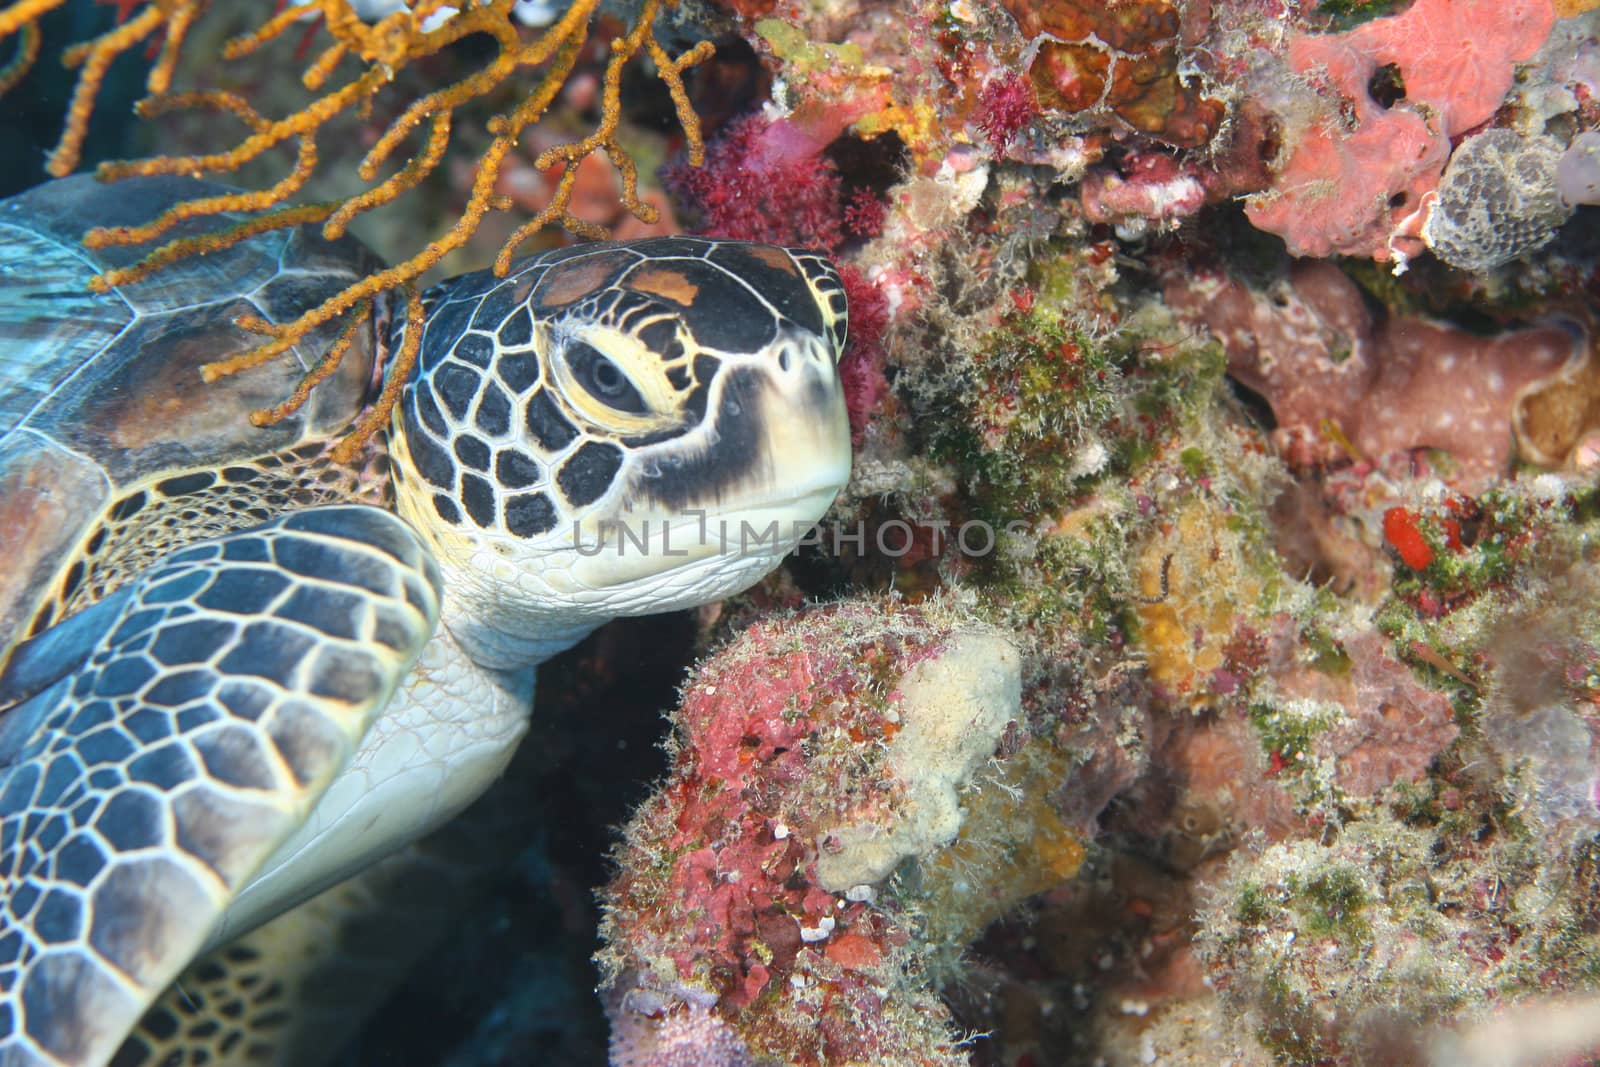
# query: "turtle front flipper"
[141,789]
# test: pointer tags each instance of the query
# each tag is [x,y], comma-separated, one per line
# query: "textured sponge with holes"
[1497,201]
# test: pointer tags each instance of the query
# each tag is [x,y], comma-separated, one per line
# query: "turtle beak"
[800,404]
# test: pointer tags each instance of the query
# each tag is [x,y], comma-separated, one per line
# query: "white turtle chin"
[649,563]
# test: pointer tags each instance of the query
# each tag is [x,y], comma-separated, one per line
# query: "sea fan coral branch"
[403,180]
[670,71]
[216,100]
[95,59]
[299,124]
[324,367]
[176,29]
[172,251]
[405,360]
[28,42]
[384,47]
[24,13]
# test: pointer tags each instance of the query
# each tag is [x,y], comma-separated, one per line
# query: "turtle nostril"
[804,354]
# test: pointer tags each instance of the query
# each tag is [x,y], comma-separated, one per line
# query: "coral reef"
[1355,186]
[1343,384]
[1120,60]
[816,756]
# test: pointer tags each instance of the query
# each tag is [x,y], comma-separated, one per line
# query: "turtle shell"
[101,399]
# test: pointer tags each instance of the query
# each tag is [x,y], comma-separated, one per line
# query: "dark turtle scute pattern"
[456,386]
[483,389]
[742,320]
[515,332]
[587,475]
[530,514]
[694,481]
[149,409]
[496,308]
[200,726]
[473,453]
[57,1035]
[478,350]
[140,526]
[546,424]
[98,393]
[447,319]
[493,414]
[514,470]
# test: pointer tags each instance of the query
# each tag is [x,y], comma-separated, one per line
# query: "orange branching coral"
[382,48]
[27,51]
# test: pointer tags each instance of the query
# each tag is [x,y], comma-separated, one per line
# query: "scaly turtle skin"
[238,672]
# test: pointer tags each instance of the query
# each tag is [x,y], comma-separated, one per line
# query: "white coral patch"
[954,709]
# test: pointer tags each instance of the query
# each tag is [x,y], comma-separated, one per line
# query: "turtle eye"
[603,379]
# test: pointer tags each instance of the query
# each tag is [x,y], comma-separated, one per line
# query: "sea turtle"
[237,671]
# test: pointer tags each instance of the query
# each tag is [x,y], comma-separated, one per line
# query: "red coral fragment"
[717,920]
[1005,106]
[864,215]
[854,952]
[1400,530]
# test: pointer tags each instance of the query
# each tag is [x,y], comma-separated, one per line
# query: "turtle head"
[620,429]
